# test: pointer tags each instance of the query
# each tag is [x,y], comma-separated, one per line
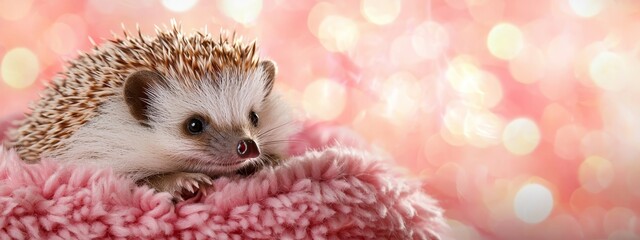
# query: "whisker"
[261,134]
[261,164]
[283,141]
[266,159]
[220,134]
[286,140]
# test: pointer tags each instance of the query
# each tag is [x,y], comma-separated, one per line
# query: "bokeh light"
[19,68]
[521,136]
[619,219]
[609,71]
[242,11]
[338,34]
[482,91]
[463,74]
[587,8]
[62,38]
[474,97]
[483,129]
[317,14]
[533,203]
[402,93]
[454,117]
[179,5]
[505,41]
[595,174]
[380,12]
[324,99]
[528,66]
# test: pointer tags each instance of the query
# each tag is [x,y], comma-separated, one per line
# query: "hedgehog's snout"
[247,148]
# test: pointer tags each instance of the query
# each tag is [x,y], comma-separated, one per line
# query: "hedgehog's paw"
[188,185]
[181,185]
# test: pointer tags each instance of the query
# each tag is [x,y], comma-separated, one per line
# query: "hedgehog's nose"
[247,148]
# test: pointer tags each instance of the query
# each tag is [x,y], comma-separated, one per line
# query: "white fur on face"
[115,139]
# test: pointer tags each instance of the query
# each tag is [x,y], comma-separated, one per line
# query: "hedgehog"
[172,111]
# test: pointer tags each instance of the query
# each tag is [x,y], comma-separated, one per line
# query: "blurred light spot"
[402,94]
[429,40]
[338,34]
[463,75]
[61,38]
[179,5]
[609,71]
[483,91]
[242,11]
[497,197]
[618,218]
[460,231]
[521,136]
[592,218]
[452,139]
[317,14]
[533,203]
[505,41]
[528,66]
[14,10]
[380,12]
[20,68]
[587,8]
[483,129]
[324,99]
[566,140]
[599,143]
[583,59]
[454,117]
[595,174]
[292,96]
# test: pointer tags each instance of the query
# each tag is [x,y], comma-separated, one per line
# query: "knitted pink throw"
[336,193]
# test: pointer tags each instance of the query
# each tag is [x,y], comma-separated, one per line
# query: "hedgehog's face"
[226,123]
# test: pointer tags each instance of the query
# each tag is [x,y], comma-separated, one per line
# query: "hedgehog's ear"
[136,91]
[269,69]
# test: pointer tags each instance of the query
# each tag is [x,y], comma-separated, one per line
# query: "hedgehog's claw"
[181,185]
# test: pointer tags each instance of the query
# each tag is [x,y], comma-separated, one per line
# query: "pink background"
[521,116]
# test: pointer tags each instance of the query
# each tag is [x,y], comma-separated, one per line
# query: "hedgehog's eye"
[253,116]
[195,125]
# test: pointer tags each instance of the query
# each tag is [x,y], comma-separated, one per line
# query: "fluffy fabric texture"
[336,193]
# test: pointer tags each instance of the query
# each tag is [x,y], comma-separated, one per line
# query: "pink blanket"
[336,193]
